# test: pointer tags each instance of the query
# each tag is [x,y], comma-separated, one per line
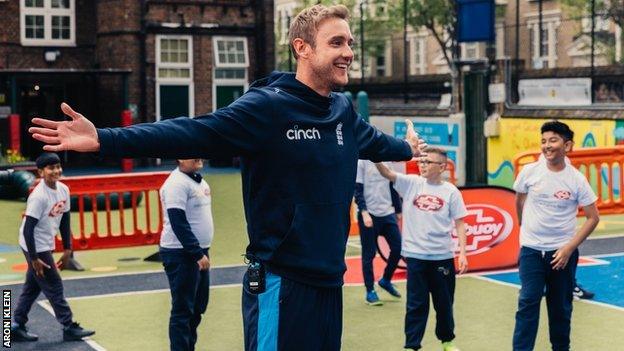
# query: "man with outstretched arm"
[299,143]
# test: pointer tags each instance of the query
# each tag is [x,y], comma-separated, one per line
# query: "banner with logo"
[555,92]
[492,230]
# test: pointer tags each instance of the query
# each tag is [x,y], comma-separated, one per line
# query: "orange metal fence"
[119,227]
[411,167]
[602,166]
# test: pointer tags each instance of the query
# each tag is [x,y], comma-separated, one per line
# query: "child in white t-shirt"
[47,212]
[548,197]
[431,209]
[184,244]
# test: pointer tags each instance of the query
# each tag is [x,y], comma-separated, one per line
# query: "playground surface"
[126,300]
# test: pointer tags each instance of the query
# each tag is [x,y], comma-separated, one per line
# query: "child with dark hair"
[548,195]
[47,212]
[378,207]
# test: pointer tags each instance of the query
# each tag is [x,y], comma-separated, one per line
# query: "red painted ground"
[354,270]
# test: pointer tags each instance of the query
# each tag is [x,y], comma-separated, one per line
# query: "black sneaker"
[74,332]
[580,293]
[20,333]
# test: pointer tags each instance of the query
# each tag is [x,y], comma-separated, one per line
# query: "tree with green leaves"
[376,28]
[605,9]
[437,16]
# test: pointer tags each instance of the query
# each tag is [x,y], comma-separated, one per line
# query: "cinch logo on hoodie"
[297,134]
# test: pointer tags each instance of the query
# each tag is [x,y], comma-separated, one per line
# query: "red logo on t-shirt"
[428,203]
[57,209]
[563,195]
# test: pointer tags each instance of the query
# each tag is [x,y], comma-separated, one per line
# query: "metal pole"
[539,35]
[593,37]
[290,68]
[517,31]
[362,43]
[405,97]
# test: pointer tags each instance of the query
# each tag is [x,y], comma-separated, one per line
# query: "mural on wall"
[518,135]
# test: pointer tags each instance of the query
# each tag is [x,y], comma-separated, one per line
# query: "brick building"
[158,58]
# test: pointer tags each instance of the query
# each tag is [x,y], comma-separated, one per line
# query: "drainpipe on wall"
[143,64]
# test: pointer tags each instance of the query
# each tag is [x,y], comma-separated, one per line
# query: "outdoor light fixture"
[51,55]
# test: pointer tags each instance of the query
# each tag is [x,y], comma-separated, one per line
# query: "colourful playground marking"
[354,271]
[8,248]
[601,274]
[20,267]
[5,277]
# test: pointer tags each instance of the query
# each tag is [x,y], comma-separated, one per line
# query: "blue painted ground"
[606,280]
[8,248]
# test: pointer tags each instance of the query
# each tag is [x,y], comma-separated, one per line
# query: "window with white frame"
[469,50]
[500,40]
[382,61]
[174,58]
[601,24]
[418,54]
[284,14]
[174,76]
[230,72]
[48,22]
[544,46]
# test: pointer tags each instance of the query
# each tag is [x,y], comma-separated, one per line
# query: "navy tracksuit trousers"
[190,289]
[424,277]
[536,273]
[388,227]
[292,316]
[52,287]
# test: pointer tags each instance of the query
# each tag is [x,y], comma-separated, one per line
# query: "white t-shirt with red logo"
[47,205]
[181,192]
[429,214]
[551,206]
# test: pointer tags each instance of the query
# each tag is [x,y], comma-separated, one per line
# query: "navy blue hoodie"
[299,153]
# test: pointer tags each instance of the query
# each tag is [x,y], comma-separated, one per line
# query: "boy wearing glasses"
[431,209]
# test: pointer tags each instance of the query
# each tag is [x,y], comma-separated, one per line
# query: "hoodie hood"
[287,82]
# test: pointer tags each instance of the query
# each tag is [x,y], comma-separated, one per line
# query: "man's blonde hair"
[305,24]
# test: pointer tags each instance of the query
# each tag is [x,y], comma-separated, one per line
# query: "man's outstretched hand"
[79,134]
[418,145]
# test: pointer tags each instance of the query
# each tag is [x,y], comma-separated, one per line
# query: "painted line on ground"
[141,292]
[79,277]
[94,345]
[591,302]
[606,236]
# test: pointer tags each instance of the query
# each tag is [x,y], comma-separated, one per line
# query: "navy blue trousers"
[536,274]
[190,289]
[426,277]
[388,227]
[52,287]
[292,316]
